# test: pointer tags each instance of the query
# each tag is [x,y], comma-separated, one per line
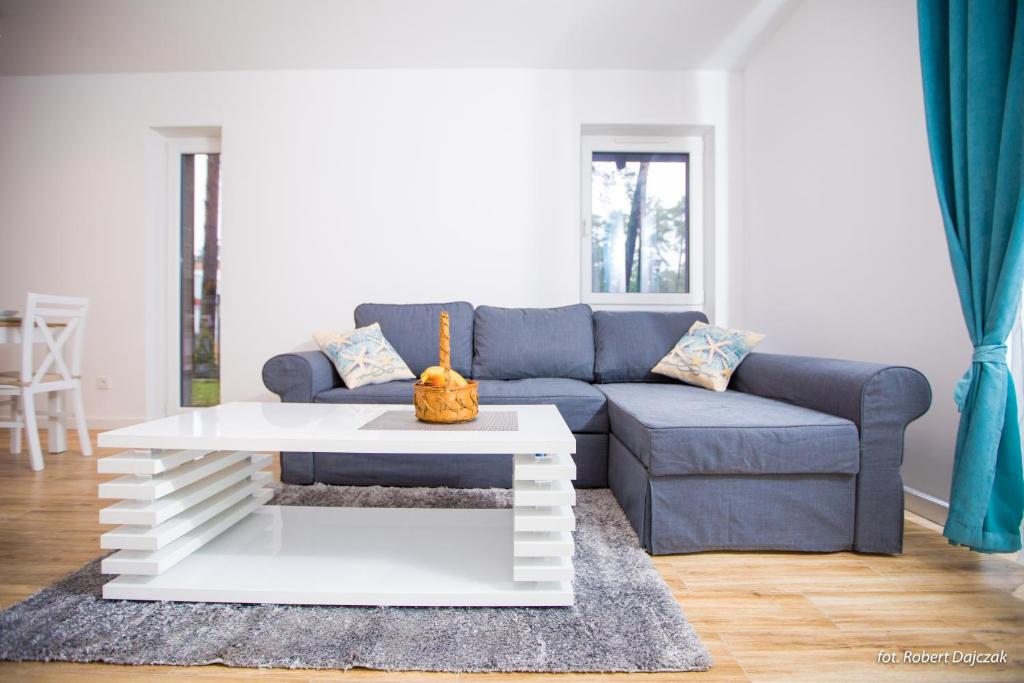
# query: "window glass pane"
[639,222]
[200,277]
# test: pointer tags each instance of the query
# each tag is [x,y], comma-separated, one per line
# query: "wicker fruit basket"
[450,400]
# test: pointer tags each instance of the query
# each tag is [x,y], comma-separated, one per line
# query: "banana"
[434,376]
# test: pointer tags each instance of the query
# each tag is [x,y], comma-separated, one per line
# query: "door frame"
[167,395]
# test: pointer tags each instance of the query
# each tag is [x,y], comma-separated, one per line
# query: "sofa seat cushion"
[674,429]
[389,392]
[581,405]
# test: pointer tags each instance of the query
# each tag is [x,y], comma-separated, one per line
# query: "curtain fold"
[972,66]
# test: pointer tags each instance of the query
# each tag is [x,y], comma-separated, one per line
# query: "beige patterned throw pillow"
[363,356]
[707,356]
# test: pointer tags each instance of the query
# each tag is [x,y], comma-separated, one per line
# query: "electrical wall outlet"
[103,382]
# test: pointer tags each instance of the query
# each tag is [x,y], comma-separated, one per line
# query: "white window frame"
[176,147]
[690,145]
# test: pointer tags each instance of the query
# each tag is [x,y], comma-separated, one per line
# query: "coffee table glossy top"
[335,428]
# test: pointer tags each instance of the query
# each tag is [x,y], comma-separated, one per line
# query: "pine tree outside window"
[642,220]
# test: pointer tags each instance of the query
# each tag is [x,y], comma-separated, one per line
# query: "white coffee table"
[194,526]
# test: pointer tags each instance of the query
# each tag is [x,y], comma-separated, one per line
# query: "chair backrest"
[60,321]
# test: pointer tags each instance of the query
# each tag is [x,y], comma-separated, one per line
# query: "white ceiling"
[112,36]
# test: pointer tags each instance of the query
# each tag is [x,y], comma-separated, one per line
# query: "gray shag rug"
[625,618]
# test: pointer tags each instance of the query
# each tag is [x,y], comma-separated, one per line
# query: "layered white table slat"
[554,493]
[143,537]
[192,523]
[146,461]
[162,509]
[175,503]
[159,561]
[543,520]
[151,487]
[542,569]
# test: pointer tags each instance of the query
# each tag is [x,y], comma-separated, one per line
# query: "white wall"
[350,186]
[338,187]
[843,249]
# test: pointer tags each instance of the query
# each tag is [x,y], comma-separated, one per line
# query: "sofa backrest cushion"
[517,343]
[413,330]
[629,343]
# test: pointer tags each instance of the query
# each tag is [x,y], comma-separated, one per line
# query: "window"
[642,220]
[199,276]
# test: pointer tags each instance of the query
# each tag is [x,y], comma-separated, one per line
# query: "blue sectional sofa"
[799,454]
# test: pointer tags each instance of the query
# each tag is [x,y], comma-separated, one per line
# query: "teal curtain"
[972,64]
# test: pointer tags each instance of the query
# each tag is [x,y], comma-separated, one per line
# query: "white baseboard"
[924,504]
[935,510]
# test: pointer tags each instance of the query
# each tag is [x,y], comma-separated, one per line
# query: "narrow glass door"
[200,280]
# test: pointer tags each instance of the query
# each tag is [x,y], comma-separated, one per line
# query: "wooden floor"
[763,616]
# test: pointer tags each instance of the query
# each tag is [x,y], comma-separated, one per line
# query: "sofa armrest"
[880,399]
[852,390]
[299,377]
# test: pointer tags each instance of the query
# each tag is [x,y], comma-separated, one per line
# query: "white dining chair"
[58,323]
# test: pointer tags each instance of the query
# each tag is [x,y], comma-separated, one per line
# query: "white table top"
[334,428]
[16,322]
[10,331]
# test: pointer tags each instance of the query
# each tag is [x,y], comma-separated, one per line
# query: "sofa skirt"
[693,513]
[451,470]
